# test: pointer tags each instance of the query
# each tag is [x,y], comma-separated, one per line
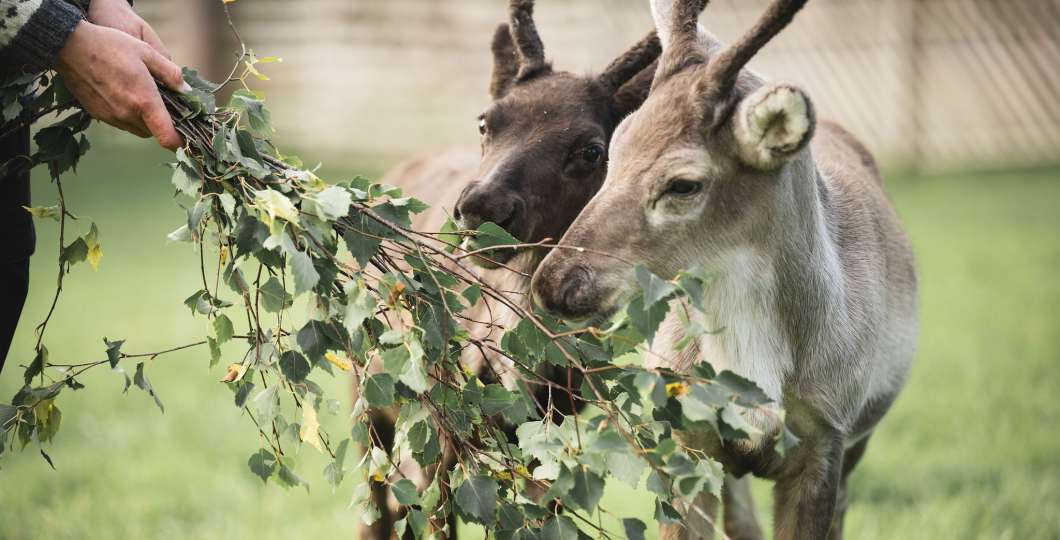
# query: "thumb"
[165,70]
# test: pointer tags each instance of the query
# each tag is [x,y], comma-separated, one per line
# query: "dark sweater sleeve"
[32,32]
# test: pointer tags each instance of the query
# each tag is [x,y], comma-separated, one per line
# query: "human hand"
[111,73]
[119,15]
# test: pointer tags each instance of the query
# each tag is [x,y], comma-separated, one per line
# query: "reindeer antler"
[527,42]
[677,22]
[725,68]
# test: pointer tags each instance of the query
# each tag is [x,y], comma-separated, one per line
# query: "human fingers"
[165,70]
[158,121]
[150,37]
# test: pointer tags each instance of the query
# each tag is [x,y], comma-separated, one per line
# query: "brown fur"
[530,177]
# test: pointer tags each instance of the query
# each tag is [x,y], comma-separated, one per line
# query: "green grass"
[969,451]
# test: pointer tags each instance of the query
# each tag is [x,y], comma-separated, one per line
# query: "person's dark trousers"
[16,238]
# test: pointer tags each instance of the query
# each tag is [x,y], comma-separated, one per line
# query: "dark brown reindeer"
[816,291]
[543,156]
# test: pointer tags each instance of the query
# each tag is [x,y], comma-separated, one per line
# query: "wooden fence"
[931,83]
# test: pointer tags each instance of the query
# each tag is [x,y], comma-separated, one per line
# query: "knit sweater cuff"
[38,42]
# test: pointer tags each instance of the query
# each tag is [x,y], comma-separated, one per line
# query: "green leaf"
[361,246]
[289,478]
[472,294]
[746,392]
[489,235]
[186,177]
[626,466]
[254,112]
[360,305]
[653,287]
[495,399]
[182,234]
[477,499]
[37,365]
[634,528]
[263,464]
[223,328]
[646,321]
[243,390]
[738,427]
[588,489]
[559,528]
[113,351]
[215,351]
[294,366]
[379,390]
[58,146]
[266,404]
[332,203]
[313,340]
[414,375]
[405,492]
[7,414]
[273,297]
[75,252]
[141,382]
[305,275]
[334,471]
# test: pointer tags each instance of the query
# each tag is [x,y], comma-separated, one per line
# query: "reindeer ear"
[772,124]
[505,62]
[631,95]
[628,78]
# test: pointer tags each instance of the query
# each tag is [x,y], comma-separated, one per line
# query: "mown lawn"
[971,450]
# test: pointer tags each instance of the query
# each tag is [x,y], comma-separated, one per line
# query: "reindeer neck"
[809,267]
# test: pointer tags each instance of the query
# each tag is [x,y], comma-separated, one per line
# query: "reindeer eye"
[482,126]
[593,154]
[684,188]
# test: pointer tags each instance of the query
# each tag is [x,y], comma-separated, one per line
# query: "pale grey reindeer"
[816,294]
[543,155]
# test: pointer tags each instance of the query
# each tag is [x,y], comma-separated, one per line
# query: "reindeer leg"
[382,421]
[850,460]
[739,517]
[806,489]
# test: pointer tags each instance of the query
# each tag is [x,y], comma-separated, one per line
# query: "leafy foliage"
[389,305]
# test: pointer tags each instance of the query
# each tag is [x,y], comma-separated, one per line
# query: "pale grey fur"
[816,292]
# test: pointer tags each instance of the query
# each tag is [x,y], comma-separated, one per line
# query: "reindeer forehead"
[669,118]
[556,95]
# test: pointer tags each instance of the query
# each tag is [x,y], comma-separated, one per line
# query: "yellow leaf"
[224,254]
[40,212]
[276,205]
[235,372]
[270,60]
[395,293]
[378,477]
[250,67]
[95,253]
[676,389]
[338,361]
[310,430]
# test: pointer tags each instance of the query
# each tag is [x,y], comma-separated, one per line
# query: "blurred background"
[935,83]
[959,99]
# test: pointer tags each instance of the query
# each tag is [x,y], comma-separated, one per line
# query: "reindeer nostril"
[574,292]
[507,222]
